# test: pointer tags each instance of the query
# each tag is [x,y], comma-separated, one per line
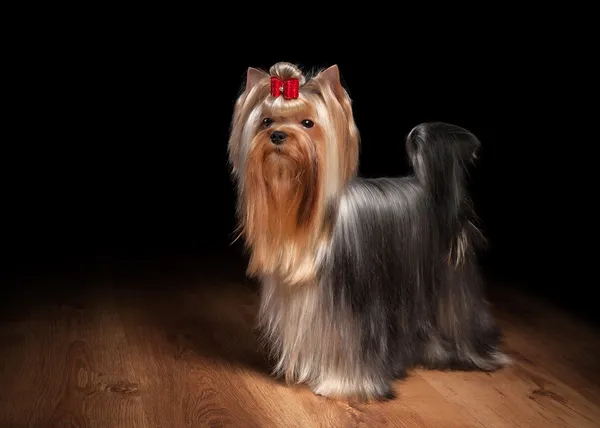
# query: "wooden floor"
[178,350]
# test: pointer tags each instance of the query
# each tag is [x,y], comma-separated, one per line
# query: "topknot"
[286,70]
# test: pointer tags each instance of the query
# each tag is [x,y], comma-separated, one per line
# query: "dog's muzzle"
[278,137]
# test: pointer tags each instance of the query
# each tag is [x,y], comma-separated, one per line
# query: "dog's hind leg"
[468,336]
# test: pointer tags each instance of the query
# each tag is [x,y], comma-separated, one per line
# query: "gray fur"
[398,286]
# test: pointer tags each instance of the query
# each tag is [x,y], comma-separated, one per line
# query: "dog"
[361,278]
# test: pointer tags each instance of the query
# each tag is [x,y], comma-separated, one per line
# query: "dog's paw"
[354,390]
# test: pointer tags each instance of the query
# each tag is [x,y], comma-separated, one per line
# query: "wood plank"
[163,352]
[64,363]
[543,388]
[521,396]
[202,339]
[566,347]
[181,385]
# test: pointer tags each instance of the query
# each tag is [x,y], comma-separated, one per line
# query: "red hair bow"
[288,88]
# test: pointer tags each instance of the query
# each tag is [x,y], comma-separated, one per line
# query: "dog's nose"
[278,137]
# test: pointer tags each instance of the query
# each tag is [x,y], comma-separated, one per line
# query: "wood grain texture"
[65,363]
[163,352]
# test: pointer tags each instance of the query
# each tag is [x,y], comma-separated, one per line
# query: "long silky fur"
[403,261]
[397,283]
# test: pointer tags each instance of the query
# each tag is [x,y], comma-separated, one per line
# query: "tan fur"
[285,184]
[284,190]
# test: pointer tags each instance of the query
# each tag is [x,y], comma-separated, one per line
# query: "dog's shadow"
[207,319]
[222,328]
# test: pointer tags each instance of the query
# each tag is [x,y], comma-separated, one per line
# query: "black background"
[119,148]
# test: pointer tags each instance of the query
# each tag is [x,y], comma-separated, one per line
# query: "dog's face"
[287,154]
[293,133]
[293,146]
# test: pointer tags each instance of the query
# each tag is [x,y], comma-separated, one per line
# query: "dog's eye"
[267,121]
[308,123]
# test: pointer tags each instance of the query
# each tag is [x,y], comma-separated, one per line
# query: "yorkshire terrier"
[361,279]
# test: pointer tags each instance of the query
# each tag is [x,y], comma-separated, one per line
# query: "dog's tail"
[440,154]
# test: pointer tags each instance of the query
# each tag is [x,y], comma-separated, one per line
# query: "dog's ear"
[331,77]
[253,76]
[345,127]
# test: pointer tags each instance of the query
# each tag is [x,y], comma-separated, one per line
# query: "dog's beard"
[282,188]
